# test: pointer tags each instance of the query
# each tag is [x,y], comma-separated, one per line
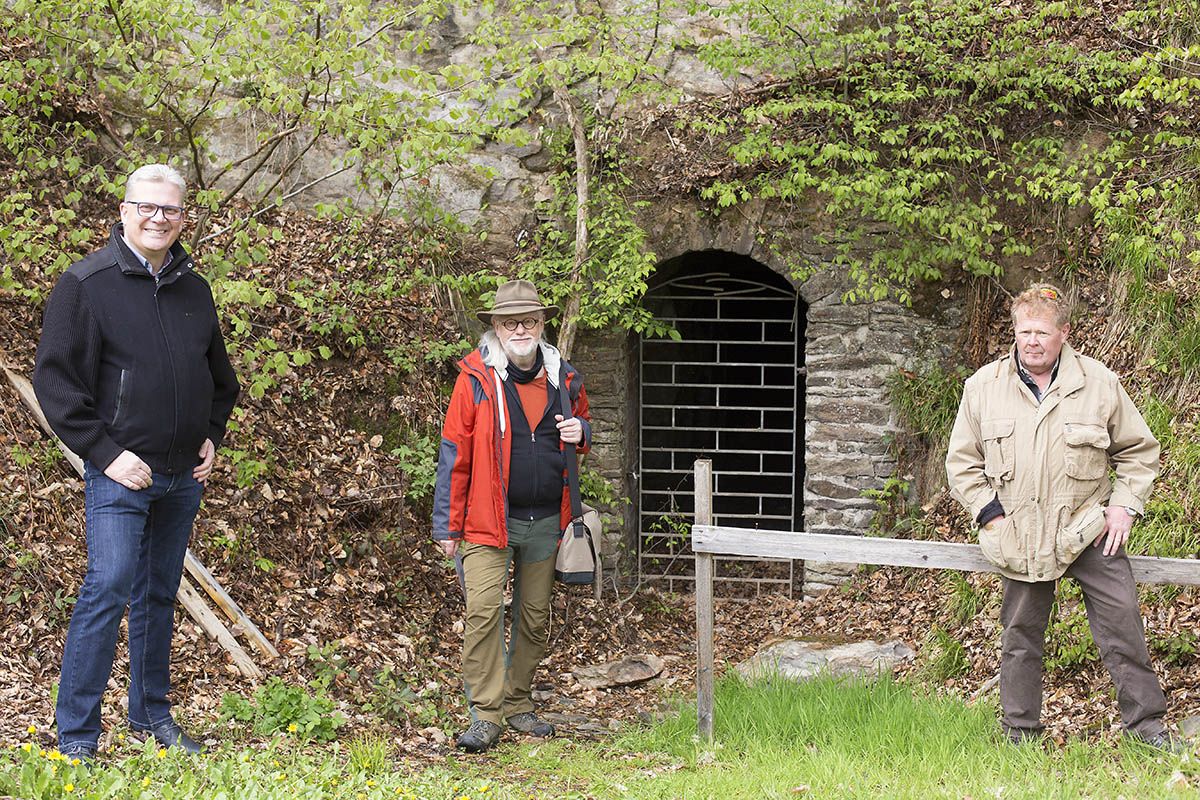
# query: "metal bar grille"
[726,391]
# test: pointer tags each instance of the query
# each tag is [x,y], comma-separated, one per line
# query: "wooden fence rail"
[709,541]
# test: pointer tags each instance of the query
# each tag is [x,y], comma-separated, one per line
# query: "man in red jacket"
[502,499]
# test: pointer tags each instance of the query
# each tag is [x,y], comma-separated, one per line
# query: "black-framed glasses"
[529,323]
[150,209]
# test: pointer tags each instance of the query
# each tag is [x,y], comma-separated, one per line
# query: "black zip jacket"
[129,363]
[536,466]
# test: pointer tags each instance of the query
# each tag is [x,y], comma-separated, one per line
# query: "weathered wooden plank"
[194,606]
[25,390]
[704,606]
[194,603]
[226,603]
[717,540]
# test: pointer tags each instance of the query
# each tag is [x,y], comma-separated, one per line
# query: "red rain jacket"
[470,500]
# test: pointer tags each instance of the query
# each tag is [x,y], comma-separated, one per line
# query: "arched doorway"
[731,388]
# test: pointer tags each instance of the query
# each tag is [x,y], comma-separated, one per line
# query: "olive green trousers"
[499,674]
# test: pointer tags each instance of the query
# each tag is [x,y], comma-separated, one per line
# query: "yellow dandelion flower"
[162,752]
[146,781]
[68,788]
[292,727]
[27,747]
[75,762]
[32,729]
[279,776]
[120,737]
[370,784]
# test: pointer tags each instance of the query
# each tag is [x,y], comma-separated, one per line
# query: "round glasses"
[150,209]
[529,323]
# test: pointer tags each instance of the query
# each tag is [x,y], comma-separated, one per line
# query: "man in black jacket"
[133,376]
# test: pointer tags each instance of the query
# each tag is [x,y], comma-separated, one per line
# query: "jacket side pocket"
[1002,545]
[1071,540]
[999,452]
[1085,456]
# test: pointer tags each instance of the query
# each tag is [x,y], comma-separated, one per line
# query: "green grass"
[289,769]
[774,739]
[844,739]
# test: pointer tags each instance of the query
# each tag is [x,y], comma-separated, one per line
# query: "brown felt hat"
[516,297]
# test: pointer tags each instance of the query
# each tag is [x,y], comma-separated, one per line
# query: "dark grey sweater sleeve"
[64,376]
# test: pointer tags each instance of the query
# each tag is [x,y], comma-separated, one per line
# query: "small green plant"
[967,600]
[417,458]
[926,398]
[944,657]
[278,707]
[329,666]
[369,753]
[1069,643]
[1180,648]
[391,698]
[249,468]
[408,355]
[891,504]
[595,489]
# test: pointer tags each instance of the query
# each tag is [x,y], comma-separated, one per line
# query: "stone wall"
[850,351]
[607,361]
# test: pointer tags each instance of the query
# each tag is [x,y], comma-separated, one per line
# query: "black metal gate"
[730,389]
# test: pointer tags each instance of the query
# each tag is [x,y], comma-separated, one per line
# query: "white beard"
[520,351]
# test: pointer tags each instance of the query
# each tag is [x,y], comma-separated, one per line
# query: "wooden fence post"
[704,605]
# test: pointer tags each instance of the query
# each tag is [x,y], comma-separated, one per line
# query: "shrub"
[278,707]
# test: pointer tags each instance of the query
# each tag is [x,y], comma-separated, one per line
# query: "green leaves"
[936,122]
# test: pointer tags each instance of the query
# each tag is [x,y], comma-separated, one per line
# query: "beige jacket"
[1048,463]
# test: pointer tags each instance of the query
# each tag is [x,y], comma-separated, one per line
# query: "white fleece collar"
[495,357]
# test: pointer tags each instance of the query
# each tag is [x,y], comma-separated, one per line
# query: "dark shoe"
[529,722]
[79,756]
[169,734]
[1165,741]
[1019,736]
[479,737]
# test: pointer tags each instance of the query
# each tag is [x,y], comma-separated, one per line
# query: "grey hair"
[156,173]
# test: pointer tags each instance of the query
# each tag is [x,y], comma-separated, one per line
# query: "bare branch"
[276,204]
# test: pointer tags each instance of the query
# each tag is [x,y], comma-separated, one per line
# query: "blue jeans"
[136,543]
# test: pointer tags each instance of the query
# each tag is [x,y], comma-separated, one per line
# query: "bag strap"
[570,457]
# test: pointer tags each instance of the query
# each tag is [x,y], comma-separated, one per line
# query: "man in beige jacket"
[1029,458]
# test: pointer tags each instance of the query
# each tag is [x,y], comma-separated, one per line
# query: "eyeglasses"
[150,209]
[529,323]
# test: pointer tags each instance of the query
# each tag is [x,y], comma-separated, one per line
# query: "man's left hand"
[208,454]
[569,430]
[1117,523]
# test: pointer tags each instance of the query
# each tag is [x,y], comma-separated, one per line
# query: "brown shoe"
[531,723]
[479,737]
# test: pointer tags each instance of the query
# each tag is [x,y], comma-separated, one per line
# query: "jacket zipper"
[483,380]
[121,386]
[174,379]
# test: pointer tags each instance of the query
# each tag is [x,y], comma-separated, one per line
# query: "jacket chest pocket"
[1086,451]
[999,451]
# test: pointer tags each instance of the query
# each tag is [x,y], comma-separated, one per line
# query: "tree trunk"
[583,174]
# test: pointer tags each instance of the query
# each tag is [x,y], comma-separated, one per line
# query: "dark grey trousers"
[1115,618]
